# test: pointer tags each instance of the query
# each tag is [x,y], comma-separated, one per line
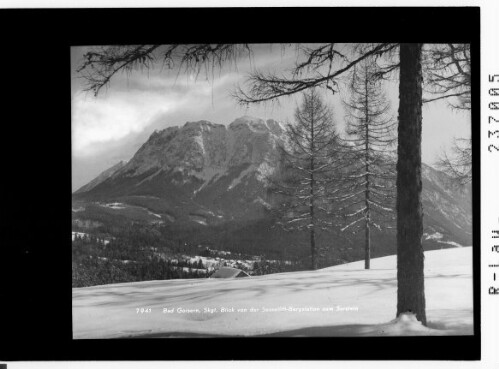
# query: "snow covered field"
[343,300]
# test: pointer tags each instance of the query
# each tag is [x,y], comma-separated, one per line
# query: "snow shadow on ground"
[202,292]
[154,292]
[179,335]
[347,330]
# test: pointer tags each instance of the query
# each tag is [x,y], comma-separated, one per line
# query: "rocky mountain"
[447,209]
[211,174]
[202,172]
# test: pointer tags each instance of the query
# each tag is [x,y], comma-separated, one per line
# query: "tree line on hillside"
[126,260]
[120,261]
[91,270]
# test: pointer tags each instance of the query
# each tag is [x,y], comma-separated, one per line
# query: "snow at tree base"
[344,300]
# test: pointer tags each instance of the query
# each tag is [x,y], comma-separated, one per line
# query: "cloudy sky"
[112,126]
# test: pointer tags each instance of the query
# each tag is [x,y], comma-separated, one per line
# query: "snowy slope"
[343,300]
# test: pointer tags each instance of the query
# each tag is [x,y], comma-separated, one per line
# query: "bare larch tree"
[448,76]
[307,157]
[367,191]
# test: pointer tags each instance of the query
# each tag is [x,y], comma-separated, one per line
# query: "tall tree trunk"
[312,198]
[367,250]
[312,221]
[312,246]
[410,256]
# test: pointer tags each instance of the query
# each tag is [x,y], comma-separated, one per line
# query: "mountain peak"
[257,125]
[102,177]
[201,124]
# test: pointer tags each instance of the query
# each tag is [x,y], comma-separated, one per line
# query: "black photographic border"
[36,298]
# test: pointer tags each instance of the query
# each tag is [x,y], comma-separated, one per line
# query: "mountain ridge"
[208,174]
[188,160]
[101,177]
